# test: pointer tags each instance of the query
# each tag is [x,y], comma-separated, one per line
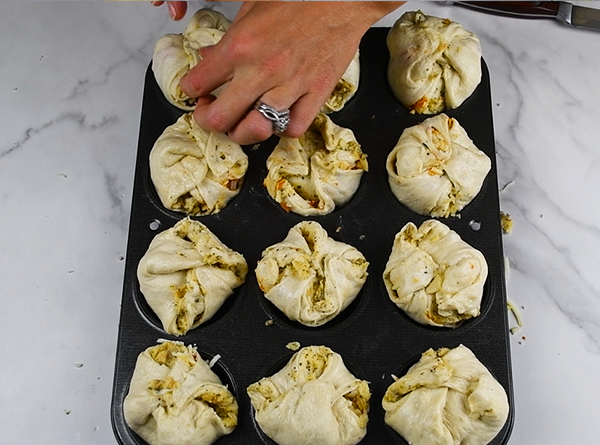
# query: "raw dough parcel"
[187,274]
[309,276]
[435,64]
[175,54]
[434,276]
[435,169]
[313,400]
[195,171]
[175,398]
[449,397]
[313,174]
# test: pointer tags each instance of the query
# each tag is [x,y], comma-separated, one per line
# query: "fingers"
[303,113]
[253,126]
[208,75]
[281,69]
[177,9]
[230,107]
[232,112]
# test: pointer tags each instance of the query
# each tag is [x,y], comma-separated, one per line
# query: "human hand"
[177,10]
[285,54]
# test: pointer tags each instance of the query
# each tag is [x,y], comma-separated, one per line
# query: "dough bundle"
[309,276]
[314,399]
[434,276]
[175,54]
[195,171]
[175,398]
[435,169]
[449,397]
[435,64]
[313,174]
[187,274]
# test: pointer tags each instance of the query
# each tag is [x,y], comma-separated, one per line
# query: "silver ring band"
[279,118]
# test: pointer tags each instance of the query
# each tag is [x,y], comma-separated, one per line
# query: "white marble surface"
[71,81]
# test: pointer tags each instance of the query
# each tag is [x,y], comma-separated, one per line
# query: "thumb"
[177,9]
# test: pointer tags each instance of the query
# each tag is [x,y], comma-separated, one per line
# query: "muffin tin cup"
[373,335]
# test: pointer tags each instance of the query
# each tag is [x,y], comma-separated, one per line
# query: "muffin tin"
[375,338]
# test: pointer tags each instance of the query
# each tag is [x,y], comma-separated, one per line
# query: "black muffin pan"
[375,338]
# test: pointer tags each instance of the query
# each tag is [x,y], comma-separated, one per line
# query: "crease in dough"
[175,398]
[176,54]
[314,399]
[449,397]
[309,276]
[314,174]
[434,276]
[195,171]
[435,169]
[435,64]
[346,87]
[186,275]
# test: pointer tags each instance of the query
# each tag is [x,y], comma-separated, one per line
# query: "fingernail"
[172,10]
[182,82]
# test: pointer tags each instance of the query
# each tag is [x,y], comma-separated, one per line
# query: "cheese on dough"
[314,399]
[175,398]
[434,276]
[315,173]
[309,276]
[346,87]
[196,171]
[435,64]
[187,274]
[175,54]
[435,169]
[449,397]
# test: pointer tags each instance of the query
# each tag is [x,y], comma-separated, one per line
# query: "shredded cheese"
[214,360]
[293,345]
[506,222]
[506,269]
[517,315]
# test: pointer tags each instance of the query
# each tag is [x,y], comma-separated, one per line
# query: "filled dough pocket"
[310,277]
[313,399]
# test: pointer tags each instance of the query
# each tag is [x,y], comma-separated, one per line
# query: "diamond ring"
[279,118]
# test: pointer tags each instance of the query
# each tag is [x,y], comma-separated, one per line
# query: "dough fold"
[435,169]
[435,276]
[309,276]
[195,171]
[314,399]
[314,174]
[346,87]
[435,64]
[176,54]
[448,398]
[187,274]
[175,398]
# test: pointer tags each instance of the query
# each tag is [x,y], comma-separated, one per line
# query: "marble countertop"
[70,95]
